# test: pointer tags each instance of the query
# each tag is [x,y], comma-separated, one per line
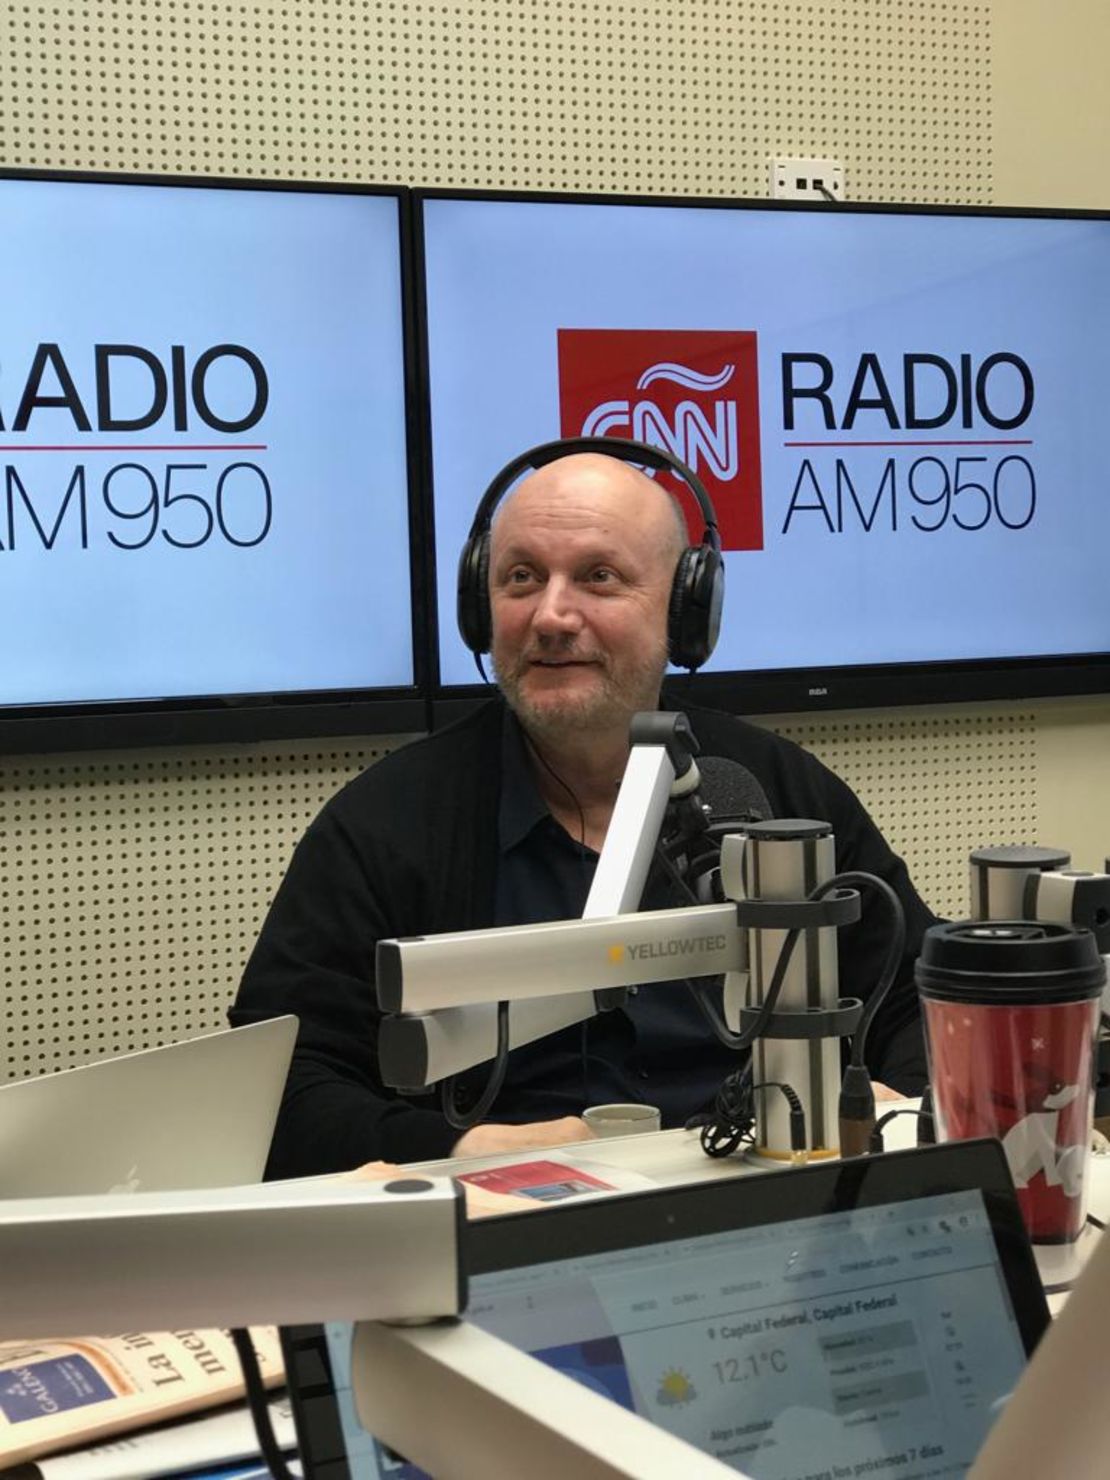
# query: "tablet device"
[855,1318]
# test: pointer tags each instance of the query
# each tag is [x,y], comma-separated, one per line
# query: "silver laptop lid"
[194,1114]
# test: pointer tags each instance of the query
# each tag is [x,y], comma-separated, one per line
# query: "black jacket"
[410,847]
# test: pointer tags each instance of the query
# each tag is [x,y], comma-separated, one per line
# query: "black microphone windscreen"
[732,791]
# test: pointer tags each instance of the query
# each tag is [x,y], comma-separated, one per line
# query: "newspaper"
[223,1441]
[57,1394]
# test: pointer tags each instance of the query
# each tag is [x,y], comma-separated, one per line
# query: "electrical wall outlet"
[806,179]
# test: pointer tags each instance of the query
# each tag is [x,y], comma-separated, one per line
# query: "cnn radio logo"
[694,392]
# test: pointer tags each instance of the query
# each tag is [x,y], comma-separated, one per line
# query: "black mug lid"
[1009,962]
[1021,855]
[785,829]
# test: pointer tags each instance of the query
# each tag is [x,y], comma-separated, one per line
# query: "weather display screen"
[876,1341]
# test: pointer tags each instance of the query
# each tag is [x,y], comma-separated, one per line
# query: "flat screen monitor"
[204,526]
[862,1318]
[897,412]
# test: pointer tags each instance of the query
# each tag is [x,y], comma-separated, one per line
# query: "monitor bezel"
[790,690]
[293,714]
[551,1233]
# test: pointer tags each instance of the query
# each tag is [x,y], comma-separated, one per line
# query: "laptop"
[813,1322]
[194,1114]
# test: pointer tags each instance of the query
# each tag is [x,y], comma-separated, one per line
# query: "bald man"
[582,557]
[499,819]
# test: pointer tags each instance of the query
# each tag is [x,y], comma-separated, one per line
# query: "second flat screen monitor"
[898,414]
[203,430]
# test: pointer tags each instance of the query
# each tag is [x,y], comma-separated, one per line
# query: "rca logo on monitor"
[694,392]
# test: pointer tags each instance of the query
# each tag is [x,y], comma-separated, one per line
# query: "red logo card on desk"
[546,1181]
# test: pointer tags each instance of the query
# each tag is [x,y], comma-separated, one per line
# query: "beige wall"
[1051,132]
[1073,779]
[1051,103]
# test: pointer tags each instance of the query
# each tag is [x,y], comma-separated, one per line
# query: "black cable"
[821,190]
[734,1116]
[702,864]
[551,771]
[259,1409]
[798,1144]
[856,1103]
[856,1108]
[460,1120]
[927,1124]
[583,849]
[723,1033]
[877,1144]
[747,1036]
[855,878]
[583,1037]
[584,1061]
[670,868]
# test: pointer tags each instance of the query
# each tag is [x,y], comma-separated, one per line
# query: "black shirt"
[657,1049]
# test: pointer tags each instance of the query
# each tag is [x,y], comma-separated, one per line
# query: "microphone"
[712,798]
[731,792]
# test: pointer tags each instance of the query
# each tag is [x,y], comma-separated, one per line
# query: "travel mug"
[1011,1012]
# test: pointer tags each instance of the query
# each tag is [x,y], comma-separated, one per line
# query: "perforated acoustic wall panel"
[938,784]
[682,97]
[134,884]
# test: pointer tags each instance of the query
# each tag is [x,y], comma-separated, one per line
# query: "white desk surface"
[671,1158]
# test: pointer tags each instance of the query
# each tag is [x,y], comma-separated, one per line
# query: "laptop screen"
[866,1340]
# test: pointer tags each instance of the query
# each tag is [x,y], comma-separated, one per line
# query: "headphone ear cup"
[694,614]
[676,610]
[472,608]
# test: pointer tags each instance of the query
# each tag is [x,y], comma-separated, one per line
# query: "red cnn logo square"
[694,392]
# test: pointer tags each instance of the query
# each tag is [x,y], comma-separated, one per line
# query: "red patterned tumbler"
[1011,1014]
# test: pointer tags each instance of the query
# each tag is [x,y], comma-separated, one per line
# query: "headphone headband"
[621,448]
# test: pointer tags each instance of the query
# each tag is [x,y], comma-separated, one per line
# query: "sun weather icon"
[675,1387]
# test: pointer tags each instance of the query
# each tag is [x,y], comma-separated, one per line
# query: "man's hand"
[484,1140]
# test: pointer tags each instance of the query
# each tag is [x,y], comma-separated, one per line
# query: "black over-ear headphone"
[697,592]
